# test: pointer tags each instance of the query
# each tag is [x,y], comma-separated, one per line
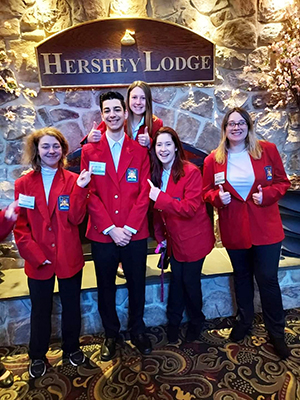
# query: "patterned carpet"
[210,368]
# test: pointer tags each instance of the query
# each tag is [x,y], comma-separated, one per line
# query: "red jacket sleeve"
[97,211]
[141,205]
[280,182]
[6,225]
[28,247]
[156,125]
[188,206]
[210,193]
[159,227]
[78,201]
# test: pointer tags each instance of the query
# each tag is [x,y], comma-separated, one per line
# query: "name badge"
[219,178]
[132,175]
[269,173]
[26,201]
[97,168]
[64,203]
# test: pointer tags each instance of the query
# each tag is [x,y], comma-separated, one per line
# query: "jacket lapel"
[106,156]
[56,190]
[38,192]
[125,157]
[171,185]
[256,164]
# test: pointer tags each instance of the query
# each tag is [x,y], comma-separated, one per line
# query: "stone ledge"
[217,289]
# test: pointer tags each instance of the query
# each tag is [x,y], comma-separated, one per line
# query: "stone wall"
[241,30]
[217,293]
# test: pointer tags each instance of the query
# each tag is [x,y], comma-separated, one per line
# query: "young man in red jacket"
[117,226]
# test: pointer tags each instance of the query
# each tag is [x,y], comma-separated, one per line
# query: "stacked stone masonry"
[218,301]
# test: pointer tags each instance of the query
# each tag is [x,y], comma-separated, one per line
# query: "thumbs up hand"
[224,196]
[144,138]
[84,178]
[94,135]
[154,191]
[11,212]
[258,197]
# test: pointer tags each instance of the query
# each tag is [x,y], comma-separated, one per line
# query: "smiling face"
[50,151]
[113,115]
[165,150]
[236,129]
[137,101]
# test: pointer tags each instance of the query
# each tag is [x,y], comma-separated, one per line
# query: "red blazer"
[46,233]
[6,225]
[180,217]
[242,223]
[113,200]
[156,125]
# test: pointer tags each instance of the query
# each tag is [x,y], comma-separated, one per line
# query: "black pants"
[261,262]
[133,256]
[41,295]
[185,292]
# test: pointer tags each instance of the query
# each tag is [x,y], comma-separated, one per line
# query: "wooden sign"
[118,51]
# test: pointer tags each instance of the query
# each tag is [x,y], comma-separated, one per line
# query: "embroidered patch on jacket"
[268,171]
[64,202]
[132,175]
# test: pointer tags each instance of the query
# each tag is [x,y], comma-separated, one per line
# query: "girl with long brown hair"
[180,220]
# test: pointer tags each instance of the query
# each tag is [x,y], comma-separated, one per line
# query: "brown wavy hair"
[31,155]
[178,164]
[252,144]
[148,113]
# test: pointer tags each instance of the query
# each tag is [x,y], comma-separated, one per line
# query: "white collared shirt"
[165,179]
[116,158]
[115,149]
[136,128]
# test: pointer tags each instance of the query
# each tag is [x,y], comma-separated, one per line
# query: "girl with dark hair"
[52,203]
[180,219]
[244,178]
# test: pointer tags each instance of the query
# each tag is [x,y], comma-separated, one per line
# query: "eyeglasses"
[240,124]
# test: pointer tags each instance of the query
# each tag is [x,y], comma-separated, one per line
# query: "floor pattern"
[209,368]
